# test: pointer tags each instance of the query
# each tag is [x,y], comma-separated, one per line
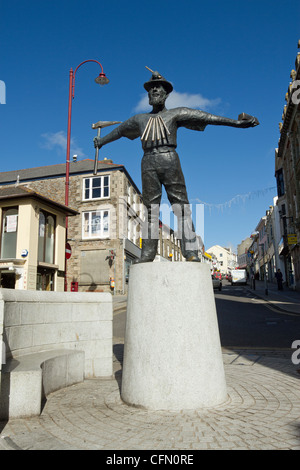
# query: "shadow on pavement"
[118,351]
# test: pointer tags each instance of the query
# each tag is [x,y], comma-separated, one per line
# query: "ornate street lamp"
[100,80]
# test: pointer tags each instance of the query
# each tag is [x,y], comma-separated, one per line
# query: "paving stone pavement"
[262,412]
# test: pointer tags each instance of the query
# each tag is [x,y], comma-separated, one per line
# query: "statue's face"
[157,95]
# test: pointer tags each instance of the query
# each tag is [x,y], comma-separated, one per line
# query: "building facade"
[287,173]
[33,234]
[276,239]
[242,253]
[104,238]
[226,260]
[264,254]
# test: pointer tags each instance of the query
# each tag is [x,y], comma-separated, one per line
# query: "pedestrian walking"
[279,279]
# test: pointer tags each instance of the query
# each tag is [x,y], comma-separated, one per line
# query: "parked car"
[217,282]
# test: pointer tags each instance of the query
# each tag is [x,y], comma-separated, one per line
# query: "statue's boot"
[191,256]
[149,249]
[189,243]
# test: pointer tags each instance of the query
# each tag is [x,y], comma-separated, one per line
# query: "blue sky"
[225,57]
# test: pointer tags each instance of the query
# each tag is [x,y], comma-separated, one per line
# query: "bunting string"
[235,200]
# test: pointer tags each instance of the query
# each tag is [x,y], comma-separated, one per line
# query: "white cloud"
[177,99]
[143,104]
[58,140]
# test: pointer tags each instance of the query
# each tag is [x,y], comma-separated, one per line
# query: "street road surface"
[245,321]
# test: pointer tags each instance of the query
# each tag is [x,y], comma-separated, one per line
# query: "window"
[46,237]
[129,192]
[95,224]
[9,232]
[280,182]
[129,225]
[96,188]
[45,279]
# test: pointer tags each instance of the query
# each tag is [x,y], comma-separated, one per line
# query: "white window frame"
[129,227]
[90,189]
[101,233]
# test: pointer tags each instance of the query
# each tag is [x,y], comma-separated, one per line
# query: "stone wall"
[54,188]
[42,321]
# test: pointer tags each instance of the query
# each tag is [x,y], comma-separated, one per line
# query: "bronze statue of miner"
[160,163]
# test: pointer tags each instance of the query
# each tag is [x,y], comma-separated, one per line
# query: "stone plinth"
[172,353]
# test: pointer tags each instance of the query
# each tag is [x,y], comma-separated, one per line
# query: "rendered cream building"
[226,259]
[33,234]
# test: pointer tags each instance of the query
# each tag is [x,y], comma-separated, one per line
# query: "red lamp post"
[101,80]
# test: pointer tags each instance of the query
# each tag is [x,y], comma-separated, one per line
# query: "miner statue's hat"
[158,79]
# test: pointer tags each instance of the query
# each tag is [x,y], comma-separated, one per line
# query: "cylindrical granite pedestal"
[172,352]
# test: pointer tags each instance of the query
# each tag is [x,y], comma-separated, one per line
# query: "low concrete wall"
[28,380]
[37,321]
[2,358]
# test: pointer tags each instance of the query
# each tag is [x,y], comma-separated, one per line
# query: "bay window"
[9,233]
[46,241]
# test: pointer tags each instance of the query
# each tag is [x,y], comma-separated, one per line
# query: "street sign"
[292,239]
[68,251]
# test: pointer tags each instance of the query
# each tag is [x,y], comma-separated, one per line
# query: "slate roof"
[51,171]
[85,166]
